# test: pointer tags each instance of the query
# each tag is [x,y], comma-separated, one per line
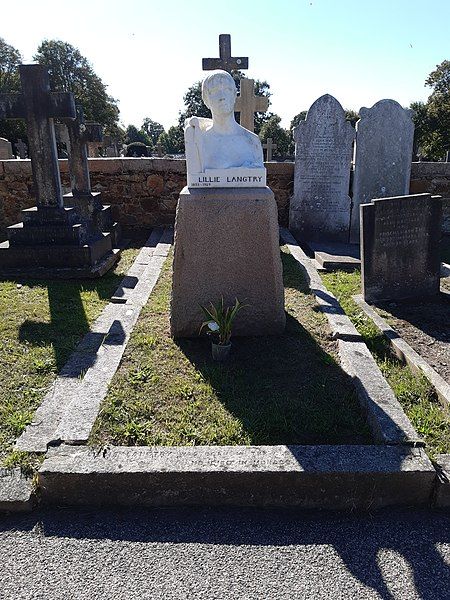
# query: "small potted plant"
[219,324]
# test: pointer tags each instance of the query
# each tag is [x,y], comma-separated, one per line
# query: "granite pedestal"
[227,244]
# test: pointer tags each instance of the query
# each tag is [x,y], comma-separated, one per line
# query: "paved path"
[224,553]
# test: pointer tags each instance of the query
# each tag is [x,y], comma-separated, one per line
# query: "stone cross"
[21,148]
[247,104]
[160,150]
[38,105]
[269,146]
[226,61]
[80,134]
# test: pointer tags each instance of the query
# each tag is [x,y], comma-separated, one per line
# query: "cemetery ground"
[42,322]
[415,393]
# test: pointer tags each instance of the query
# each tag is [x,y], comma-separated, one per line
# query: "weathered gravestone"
[96,216]
[320,207]
[226,228]
[51,241]
[6,152]
[400,247]
[247,104]
[383,155]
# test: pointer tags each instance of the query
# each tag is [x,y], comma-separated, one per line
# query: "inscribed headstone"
[5,149]
[383,154]
[320,207]
[400,247]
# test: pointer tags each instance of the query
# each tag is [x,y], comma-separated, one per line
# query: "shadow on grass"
[284,389]
[68,319]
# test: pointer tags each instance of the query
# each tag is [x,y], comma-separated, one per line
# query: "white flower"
[212,325]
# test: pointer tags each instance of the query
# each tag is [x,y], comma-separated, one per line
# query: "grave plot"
[286,389]
[42,322]
[414,392]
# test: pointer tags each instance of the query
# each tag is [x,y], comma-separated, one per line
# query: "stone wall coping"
[430,169]
[127,165]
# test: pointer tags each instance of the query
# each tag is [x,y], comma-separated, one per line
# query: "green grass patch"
[415,393]
[41,323]
[287,389]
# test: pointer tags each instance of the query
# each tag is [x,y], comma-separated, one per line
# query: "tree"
[10,59]
[70,71]
[173,140]
[280,137]
[296,120]
[133,134]
[352,116]
[432,119]
[152,129]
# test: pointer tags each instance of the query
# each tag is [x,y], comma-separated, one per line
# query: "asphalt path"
[224,553]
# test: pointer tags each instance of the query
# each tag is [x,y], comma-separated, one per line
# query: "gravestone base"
[53,243]
[334,256]
[227,245]
[96,215]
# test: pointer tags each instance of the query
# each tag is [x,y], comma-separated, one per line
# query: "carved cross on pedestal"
[80,134]
[269,146]
[160,150]
[226,61]
[247,104]
[21,148]
[38,105]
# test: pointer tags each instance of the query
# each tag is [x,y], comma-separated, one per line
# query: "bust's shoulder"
[201,123]
[252,137]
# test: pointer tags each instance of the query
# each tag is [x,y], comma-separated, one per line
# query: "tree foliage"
[10,59]
[152,129]
[172,141]
[281,137]
[133,134]
[432,119]
[70,71]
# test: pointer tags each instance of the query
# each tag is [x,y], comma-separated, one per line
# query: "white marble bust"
[220,143]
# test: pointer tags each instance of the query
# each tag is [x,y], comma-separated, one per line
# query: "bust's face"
[221,95]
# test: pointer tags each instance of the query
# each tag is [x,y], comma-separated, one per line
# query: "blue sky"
[149,52]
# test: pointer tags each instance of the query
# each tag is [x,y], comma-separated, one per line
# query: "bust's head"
[219,92]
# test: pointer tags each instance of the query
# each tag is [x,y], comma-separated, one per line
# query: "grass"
[42,322]
[415,394]
[287,389]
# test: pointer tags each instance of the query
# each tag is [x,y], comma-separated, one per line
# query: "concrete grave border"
[395,472]
[405,353]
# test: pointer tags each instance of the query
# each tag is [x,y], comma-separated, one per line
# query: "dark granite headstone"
[400,247]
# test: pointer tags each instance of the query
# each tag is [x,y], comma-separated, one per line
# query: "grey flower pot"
[220,352]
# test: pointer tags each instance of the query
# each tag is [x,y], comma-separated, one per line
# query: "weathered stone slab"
[15,491]
[227,245]
[442,499]
[383,153]
[320,206]
[333,477]
[331,256]
[388,422]
[400,247]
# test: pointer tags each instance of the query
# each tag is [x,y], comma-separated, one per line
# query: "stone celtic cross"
[38,105]
[226,61]
[21,148]
[247,104]
[269,146]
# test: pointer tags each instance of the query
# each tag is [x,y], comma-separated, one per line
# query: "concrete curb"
[16,491]
[445,270]
[69,409]
[442,496]
[406,354]
[329,477]
[388,422]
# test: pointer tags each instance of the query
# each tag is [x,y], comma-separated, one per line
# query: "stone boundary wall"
[144,191]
